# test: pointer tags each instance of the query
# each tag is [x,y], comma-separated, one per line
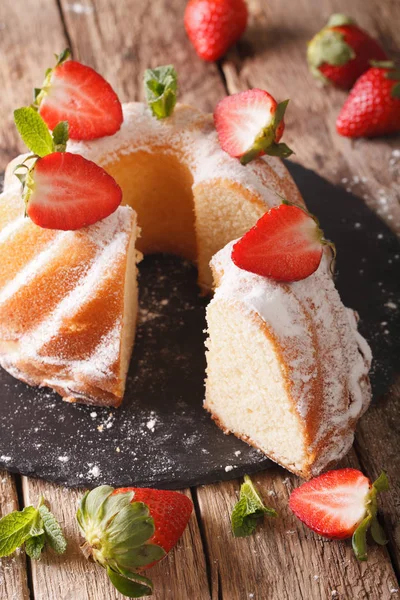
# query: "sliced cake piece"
[68,303]
[287,369]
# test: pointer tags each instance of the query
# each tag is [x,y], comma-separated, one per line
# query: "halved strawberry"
[340,504]
[76,93]
[250,124]
[70,192]
[286,244]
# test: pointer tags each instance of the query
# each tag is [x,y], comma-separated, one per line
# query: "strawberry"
[61,190]
[250,124]
[170,510]
[214,25]
[340,504]
[373,105]
[286,244]
[70,192]
[341,52]
[76,93]
[129,529]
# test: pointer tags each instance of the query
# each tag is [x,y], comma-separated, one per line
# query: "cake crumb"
[117,449]
[391,305]
[63,459]
[228,468]
[94,471]
[93,414]
[238,453]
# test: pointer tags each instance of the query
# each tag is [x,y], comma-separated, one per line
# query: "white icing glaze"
[308,317]
[188,131]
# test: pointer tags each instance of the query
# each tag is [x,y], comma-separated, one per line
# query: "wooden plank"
[13,575]
[31,32]
[272,55]
[122,38]
[377,444]
[284,560]
[182,574]
[369,168]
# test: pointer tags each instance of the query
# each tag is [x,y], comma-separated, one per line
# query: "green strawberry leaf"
[34,546]
[339,19]
[136,586]
[382,483]
[90,505]
[161,86]
[248,510]
[63,56]
[378,533]
[281,150]
[33,131]
[15,529]
[359,540]
[328,46]
[52,530]
[60,136]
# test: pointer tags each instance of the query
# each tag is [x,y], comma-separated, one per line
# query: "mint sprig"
[30,528]
[33,131]
[36,135]
[160,86]
[249,510]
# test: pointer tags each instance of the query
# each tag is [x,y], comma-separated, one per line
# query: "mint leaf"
[34,546]
[160,85]
[60,136]
[248,510]
[33,131]
[15,528]
[53,531]
[136,586]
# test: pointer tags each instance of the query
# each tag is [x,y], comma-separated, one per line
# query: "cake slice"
[287,370]
[68,303]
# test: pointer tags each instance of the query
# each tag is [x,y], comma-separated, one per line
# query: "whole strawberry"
[341,52]
[373,106]
[215,25]
[129,529]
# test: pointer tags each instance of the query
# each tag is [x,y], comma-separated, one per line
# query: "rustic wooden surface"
[121,38]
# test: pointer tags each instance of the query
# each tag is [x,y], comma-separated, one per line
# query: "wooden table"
[120,38]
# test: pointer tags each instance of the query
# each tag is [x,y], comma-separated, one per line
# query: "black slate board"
[162,436]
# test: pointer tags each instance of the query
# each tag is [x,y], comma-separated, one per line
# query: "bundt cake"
[287,369]
[68,303]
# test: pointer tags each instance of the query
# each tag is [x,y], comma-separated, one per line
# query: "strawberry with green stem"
[78,94]
[129,529]
[250,124]
[341,504]
[61,190]
[342,51]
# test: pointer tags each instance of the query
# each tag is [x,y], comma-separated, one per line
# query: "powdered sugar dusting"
[190,134]
[344,357]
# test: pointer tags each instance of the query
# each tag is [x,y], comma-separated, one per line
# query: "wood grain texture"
[272,55]
[123,38]
[31,32]
[182,574]
[13,575]
[377,446]
[284,560]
